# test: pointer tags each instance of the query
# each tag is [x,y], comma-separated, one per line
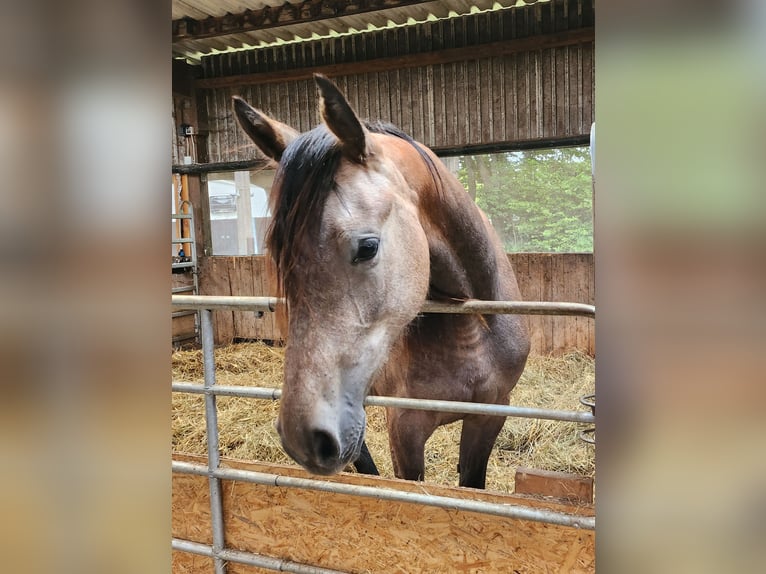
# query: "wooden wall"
[567,277]
[500,79]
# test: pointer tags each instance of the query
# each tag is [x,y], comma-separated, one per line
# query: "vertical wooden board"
[462,104]
[472,102]
[498,100]
[561,91]
[384,97]
[530,281]
[429,118]
[394,105]
[547,87]
[521,21]
[251,324]
[557,292]
[417,103]
[373,97]
[520,265]
[233,268]
[549,269]
[264,324]
[212,138]
[486,93]
[587,84]
[231,129]
[451,112]
[214,280]
[438,118]
[524,95]
[510,97]
[406,103]
[575,93]
[572,277]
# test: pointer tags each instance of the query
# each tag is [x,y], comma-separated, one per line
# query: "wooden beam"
[276,16]
[561,485]
[200,168]
[489,50]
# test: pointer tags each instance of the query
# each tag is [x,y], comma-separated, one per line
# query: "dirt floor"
[247,425]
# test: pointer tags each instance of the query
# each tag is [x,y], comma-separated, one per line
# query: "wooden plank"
[251,328]
[524,96]
[561,485]
[548,81]
[214,280]
[400,62]
[587,84]
[497,104]
[559,291]
[561,90]
[366,535]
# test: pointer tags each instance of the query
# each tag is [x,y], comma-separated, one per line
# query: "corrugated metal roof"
[193,48]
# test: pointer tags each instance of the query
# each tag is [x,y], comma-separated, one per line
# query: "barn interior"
[468,78]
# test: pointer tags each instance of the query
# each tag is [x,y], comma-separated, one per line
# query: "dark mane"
[304,180]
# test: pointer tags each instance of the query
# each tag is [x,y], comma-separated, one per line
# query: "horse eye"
[367,249]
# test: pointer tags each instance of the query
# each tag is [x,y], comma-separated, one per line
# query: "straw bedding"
[247,430]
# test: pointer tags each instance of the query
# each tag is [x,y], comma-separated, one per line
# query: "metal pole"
[234,303]
[505,510]
[213,454]
[403,403]
[250,559]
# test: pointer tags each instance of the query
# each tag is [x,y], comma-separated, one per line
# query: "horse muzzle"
[320,448]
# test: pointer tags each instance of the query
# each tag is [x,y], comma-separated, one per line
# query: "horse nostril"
[326,448]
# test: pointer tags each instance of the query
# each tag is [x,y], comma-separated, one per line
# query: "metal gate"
[206,304]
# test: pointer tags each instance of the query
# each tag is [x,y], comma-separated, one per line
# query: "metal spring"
[589,435]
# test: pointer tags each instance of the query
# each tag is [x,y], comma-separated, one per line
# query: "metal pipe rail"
[214,472]
[402,403]
[240,303]
[504,510]
[249,558]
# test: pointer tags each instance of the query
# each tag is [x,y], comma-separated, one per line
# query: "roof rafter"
[275,16]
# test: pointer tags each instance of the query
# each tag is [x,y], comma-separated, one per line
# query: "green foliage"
[539,200]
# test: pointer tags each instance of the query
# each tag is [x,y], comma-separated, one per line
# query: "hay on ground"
[247,425]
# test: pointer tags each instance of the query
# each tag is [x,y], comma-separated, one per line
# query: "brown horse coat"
[368,224]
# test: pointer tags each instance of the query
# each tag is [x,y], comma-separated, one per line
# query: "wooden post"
[245,236]
[185,208]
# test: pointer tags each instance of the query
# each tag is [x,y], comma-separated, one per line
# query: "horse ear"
[271,136]
[341,119]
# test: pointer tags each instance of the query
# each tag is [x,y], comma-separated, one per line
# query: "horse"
[367,225]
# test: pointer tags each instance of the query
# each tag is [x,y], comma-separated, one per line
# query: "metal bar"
[180,216]
[213,454]
[515,307]
[182,313]
[474,306]
[184,265]
[225,302]
[250,559]
[506,510]
[403,403]
[182,289]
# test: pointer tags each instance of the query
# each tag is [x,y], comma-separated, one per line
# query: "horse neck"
[467,260]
